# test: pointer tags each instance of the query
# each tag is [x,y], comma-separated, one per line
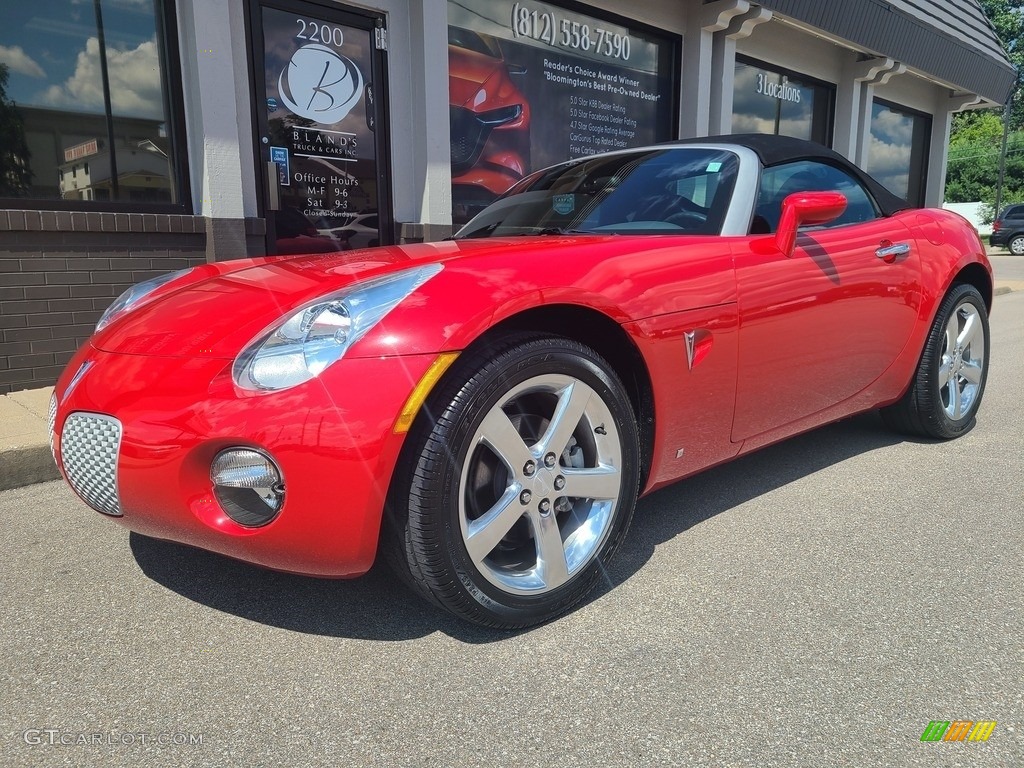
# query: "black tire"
[946,391]
[1016,245]
[453,486]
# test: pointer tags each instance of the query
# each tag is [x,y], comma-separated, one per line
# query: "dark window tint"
[898,155]
[86,103]
[770,100]
[809,176]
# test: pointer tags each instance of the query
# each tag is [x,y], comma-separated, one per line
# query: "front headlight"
[130,299]
[501,115]
[301,346]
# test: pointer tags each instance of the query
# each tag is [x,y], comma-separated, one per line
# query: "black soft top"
[776,150]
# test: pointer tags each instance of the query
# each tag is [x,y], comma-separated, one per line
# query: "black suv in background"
[1008,230]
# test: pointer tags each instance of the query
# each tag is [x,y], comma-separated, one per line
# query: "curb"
[26,465]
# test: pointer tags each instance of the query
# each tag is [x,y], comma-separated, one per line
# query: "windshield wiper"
[476,233]
[561,231]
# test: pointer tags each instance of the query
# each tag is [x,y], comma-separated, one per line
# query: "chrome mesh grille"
[89,444]
[51,421]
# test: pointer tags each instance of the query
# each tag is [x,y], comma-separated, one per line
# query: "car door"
[821,325]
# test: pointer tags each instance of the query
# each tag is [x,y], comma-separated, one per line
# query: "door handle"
[888,253]
[273,187]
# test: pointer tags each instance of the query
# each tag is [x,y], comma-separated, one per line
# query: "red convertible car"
[487,409]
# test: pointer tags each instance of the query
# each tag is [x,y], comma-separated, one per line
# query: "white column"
[213,45]
[867,97]
[419,120]
[850,102]
[702,22]
[723,66]
[218,122]
[695,87]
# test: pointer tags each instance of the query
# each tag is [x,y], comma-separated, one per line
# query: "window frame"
[170,60]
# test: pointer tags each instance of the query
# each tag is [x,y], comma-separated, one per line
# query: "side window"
[1017,212]
[781,181]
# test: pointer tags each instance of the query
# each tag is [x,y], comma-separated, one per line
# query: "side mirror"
[803,208]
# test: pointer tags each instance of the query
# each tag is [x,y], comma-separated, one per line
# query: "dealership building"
[145,136]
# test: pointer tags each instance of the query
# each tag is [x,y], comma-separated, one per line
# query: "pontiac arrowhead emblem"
[689,337]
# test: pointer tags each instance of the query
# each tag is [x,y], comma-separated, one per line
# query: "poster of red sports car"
[531,84]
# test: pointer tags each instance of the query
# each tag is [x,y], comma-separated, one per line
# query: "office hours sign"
[319,119]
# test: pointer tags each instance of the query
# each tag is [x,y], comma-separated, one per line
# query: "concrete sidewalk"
[24,443]
[25,456]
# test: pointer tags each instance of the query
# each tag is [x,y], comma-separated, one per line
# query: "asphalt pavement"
[815,604]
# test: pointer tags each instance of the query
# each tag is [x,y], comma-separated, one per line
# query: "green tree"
[15,175]
[976,136]
[973,170]
[1007,18]
[974,157]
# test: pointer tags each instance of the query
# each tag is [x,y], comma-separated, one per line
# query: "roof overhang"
[919,41]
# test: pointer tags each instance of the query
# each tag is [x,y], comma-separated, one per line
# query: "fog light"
[248,485]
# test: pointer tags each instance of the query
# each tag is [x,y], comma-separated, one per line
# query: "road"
[817,603]
[1007,267]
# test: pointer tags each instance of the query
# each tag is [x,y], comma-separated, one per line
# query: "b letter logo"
[320,84]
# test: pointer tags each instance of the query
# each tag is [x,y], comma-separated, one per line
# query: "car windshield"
[677,190]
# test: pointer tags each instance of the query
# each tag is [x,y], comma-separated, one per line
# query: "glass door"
[321,145]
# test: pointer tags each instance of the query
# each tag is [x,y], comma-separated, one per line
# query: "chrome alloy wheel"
[963,361]
[540,484]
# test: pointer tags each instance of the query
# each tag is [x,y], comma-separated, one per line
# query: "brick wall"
[60,270]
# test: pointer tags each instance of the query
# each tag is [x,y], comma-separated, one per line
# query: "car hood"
[215,310]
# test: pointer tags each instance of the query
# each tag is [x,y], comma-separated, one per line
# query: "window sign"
[318,123]
[85,104]
[532,84]
[766,100]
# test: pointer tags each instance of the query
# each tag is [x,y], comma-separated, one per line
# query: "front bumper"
[333,438]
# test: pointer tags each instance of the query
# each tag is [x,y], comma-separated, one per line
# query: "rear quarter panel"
[949,244]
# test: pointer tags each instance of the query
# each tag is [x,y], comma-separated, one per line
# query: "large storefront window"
[771,100]
[898,156]
[532,84]
[85,105]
